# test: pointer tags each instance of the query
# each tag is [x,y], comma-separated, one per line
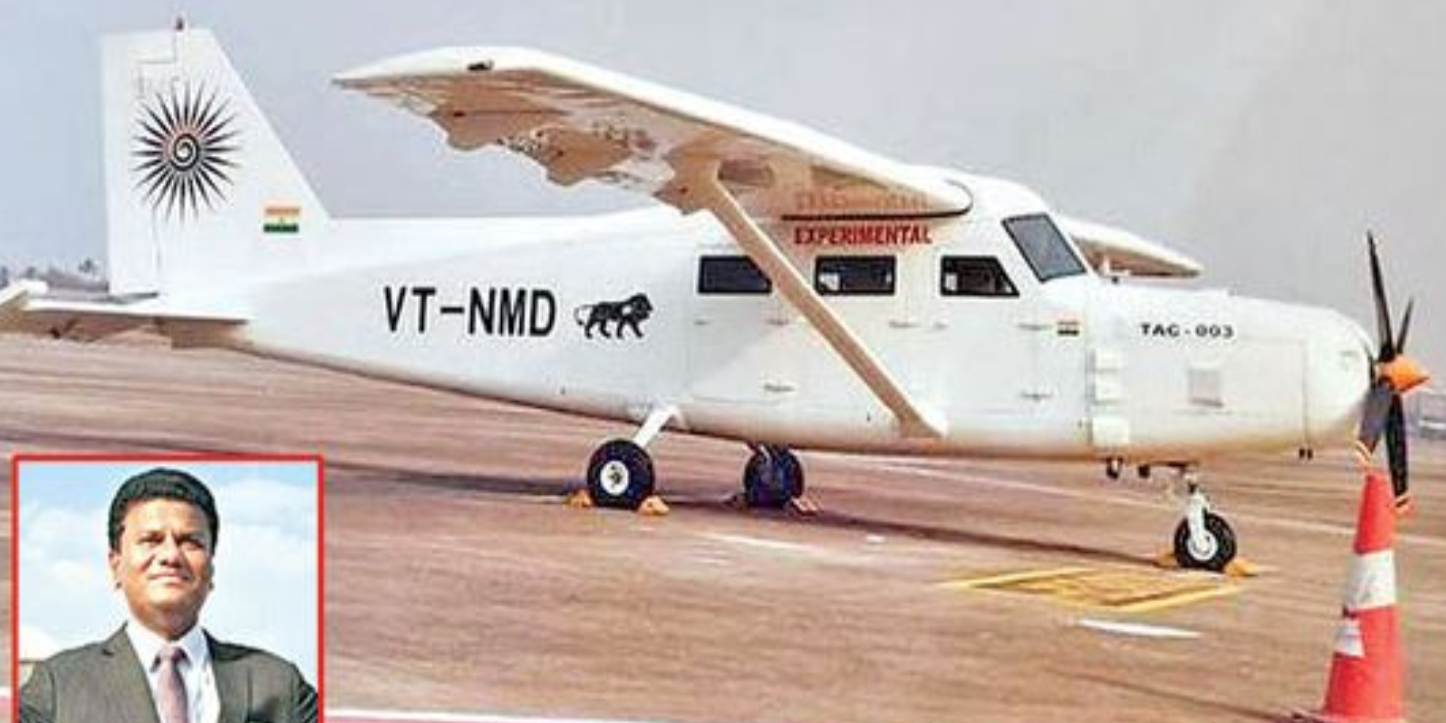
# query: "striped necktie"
[170,689]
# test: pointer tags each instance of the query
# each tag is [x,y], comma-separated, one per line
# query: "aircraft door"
[1059,339]
[750,345]
[984,348]
[1053,320]
[738,331]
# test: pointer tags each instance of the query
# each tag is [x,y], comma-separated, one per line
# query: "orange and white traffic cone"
[1367,676]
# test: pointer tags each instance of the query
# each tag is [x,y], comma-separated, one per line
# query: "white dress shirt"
[203,703]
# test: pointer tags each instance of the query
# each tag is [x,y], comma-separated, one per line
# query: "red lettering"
[873,234]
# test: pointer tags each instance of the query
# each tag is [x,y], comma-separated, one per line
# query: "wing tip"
[446,61]
[1127,251]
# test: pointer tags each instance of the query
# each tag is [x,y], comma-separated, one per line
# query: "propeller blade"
[1376,413]
[1383,412]
[1396,449]
[1383,309]
[1405,327]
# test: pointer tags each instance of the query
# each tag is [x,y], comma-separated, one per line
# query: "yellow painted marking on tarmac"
[1116,589]
[1012,578]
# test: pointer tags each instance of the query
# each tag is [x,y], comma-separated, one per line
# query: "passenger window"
[854,275]
[974,276]
[1043,246]
[731,275]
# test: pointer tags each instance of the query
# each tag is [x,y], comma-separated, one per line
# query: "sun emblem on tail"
[186,149]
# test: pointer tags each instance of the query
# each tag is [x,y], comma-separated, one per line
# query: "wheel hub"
[1203,546]
[614,477]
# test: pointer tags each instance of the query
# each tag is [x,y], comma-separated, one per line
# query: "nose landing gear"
[1204,540]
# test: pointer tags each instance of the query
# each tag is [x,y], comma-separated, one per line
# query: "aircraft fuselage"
[615,316]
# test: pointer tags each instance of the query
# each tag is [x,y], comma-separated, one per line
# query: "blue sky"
[266,559]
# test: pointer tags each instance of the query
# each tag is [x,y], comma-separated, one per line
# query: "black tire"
[1114,466]
[789,470]
[772,477]
[1218,552]
[620,475]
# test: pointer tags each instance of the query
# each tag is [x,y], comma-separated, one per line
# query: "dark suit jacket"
[104,683]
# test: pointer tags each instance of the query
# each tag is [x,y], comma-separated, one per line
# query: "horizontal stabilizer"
[25,309]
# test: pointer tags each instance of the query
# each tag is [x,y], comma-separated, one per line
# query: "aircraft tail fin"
[200,191]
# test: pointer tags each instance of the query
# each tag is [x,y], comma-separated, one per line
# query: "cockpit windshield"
[1043,246]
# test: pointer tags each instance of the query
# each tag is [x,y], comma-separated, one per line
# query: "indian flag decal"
[282,219]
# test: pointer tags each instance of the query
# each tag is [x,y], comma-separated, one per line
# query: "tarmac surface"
[927,590]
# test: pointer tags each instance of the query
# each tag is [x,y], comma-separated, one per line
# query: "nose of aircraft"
[1338,363]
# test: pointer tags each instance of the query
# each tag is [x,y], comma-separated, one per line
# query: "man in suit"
[161,666]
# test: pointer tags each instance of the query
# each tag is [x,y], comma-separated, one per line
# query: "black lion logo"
[629,313]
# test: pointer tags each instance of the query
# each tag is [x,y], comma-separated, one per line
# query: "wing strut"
[710,193]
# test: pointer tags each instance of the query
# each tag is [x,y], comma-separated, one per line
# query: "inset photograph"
[178,589]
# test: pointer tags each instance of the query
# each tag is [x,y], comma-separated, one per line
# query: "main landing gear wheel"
[1212,549]
[1114,466]
[772,478]
[620,475]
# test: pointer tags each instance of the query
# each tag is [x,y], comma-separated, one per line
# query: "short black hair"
[161,484]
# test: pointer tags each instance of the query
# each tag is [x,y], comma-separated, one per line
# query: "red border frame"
[103,458]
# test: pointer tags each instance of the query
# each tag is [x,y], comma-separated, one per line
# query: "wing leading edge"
[582,122]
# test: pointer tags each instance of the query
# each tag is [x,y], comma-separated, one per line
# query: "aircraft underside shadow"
[557,489]
[489,485]
[832,519]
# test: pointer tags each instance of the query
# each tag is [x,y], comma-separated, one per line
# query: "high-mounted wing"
[581,122]
[1112,250]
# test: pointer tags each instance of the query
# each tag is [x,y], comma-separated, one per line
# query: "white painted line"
[1137,629]
[350,715]
[761,543]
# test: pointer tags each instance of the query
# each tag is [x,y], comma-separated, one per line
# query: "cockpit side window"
[1048,252]
[974,276]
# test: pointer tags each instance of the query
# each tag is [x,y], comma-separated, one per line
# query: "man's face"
[164,564]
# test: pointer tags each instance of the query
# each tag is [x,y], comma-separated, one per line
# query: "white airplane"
[800,293]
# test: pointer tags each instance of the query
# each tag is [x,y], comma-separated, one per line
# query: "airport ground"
[457,580]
